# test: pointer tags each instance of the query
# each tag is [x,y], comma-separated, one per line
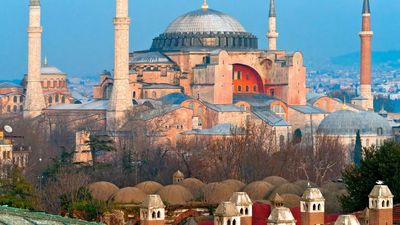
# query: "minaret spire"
[366,98]
[205,5]
[34,100]
[272,35]
[121,99]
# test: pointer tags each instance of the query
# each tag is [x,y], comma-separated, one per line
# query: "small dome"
[215,193]
[346,122]
[291,200]
[258,190]
[236,184]
[288,188]
[204,21]
[312,194]
[102,190]
[194,185]
[129,195]
[275,180]
[304,184]
[347,220]
[149,187]
[175,195]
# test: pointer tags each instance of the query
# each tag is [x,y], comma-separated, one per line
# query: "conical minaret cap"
[34,2]
[272,12]
[366,8]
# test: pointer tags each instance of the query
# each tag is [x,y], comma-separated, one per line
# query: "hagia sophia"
[201,77]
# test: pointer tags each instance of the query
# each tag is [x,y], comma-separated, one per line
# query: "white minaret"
[272,35]
[34,101]
[121,99]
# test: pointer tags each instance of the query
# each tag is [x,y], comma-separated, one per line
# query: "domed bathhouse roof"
[149,187]
[217,192]
[275,180]
[346,122]
[236,184]
[102,190]
[290,200]
[129,195]
[258,190]
[205,28]
[288,188]
[304,184]
[175,195]
[194,185]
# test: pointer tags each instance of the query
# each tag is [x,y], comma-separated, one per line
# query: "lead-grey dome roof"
[346,122]
[205,21]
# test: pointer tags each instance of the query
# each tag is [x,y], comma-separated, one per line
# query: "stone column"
[34,100]
[120,101]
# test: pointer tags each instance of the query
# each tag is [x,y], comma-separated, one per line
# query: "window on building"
[21,98]
[21,108]
[50,100]
[255,88]
[247,88]
[134,94]
[63,99]
[239,88]
[380,131]
[272,91]
[239,75]
[57,98]
[15,99]
[247,77]
[15,108]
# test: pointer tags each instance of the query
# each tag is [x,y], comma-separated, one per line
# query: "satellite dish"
[8,129]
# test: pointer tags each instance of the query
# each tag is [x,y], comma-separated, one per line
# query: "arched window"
[50,100]
[239,75]
[239,88]
[228,222]
[255,88]
[246,211]
[387,203]
[234,222]
[247,88]
[247,77]
[21,98]
[15,108]
[153,215]
[314,207]
[21,108]
[154,95]
[63,99]
[134,94]
[57,98]
[241,211]
[158,214]
[383,203]
[15,99]
[319,207]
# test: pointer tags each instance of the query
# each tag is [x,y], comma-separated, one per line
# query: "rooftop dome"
[236,184]
[194,186]
[175,195]
[102,190]
[291,200]
[218,192]
[204,21]
[275,180]
[205,28]
[346,122]
[287,188]
[149,187]
[258,190]
[129,195]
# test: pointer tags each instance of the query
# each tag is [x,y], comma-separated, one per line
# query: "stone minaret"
[244,206]
[272,35]
[34,101]
[380,205]
[152,211]
[121,99]
[365,66]
[312,207]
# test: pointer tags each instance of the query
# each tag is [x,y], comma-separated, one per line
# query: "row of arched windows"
[20,98]
[244,212]
[315,207]
[247,88]
[15,108]
[54,84]
[383,203]
[56,99]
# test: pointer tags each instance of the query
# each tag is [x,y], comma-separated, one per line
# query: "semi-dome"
[346,122]
[205,21]
[205,29]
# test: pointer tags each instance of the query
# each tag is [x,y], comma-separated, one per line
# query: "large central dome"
[204,29]
[205,21]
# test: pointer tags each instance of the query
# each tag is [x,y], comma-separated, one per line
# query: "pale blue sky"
[78,34]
